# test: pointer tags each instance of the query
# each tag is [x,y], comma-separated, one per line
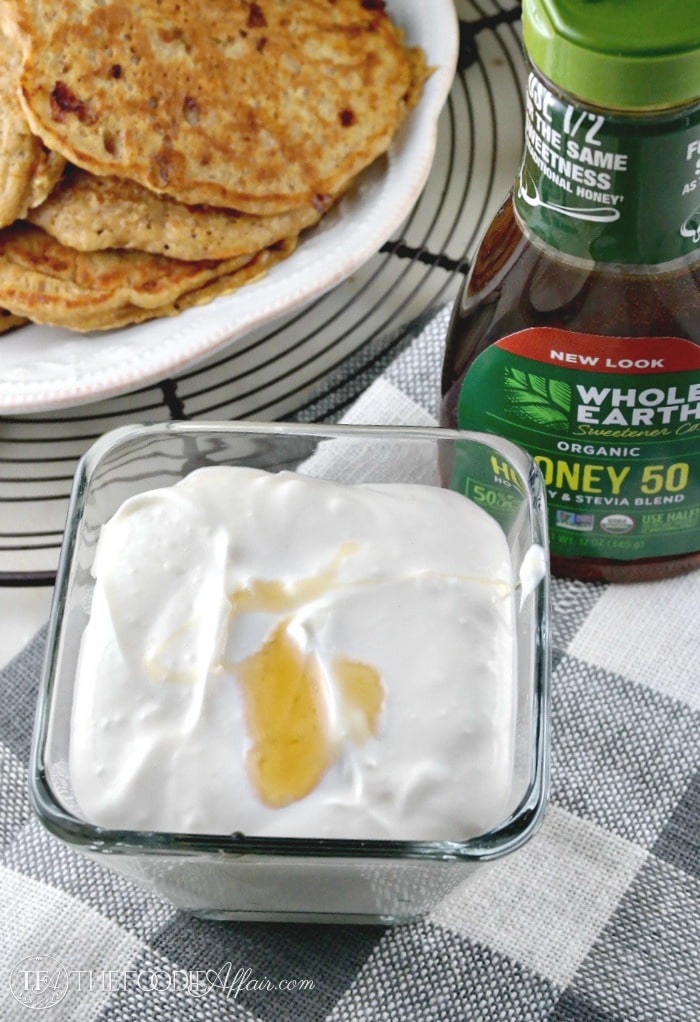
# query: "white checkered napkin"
[41,921]
[597,919]
[625,633]
[642,966]
[14,812]
[545,907]
[625,754]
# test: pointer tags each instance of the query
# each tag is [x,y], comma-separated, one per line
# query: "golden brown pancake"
[28,171]
[224,285]
[92,213]
[258,106]
[8,321]
[57,286]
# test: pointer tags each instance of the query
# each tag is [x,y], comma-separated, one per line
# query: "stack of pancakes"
[154,154]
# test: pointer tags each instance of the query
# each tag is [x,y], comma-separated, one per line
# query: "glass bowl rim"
[515,831]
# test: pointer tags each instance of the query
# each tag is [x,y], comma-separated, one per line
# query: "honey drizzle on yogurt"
[288,697]
[272,596]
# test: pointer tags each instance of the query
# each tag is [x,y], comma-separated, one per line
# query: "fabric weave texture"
[597,919]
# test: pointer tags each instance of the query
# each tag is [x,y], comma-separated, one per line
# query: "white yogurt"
[410,584]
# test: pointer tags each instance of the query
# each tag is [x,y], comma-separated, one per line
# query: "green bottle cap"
[617,54]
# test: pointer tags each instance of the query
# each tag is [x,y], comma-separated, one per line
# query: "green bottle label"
[614,425]
[610,188]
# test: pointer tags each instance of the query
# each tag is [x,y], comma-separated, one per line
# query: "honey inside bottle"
[515,284]
[577,332]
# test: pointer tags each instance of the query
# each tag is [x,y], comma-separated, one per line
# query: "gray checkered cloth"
[596,920]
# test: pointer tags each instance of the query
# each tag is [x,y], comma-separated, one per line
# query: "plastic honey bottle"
[577,333]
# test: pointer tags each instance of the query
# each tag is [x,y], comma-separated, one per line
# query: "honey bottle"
[577,332]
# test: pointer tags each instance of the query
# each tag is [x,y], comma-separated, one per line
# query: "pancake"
[90,213]
[129,315]
[57,286]
[28,171]
[260,107]
[8,321]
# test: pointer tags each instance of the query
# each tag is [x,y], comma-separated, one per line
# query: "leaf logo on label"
[536,399]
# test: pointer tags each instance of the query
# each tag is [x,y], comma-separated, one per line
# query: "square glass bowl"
[234,876]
